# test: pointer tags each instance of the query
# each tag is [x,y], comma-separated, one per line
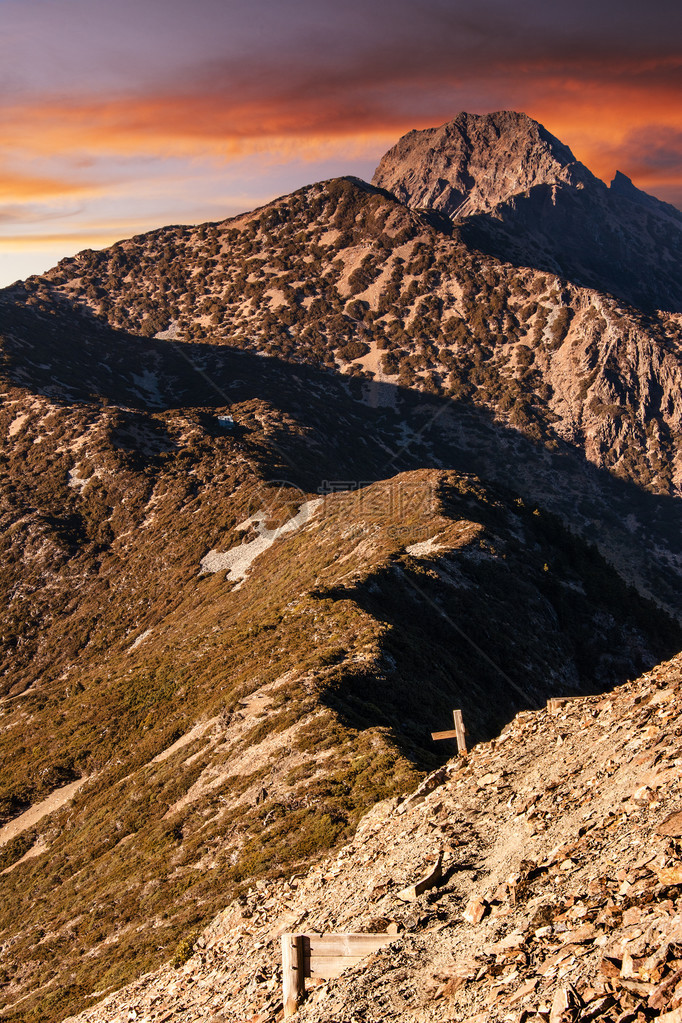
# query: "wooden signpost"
[458,733]
[321,956]
[293,975]
[555,704]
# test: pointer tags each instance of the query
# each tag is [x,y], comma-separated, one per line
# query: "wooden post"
[461,732]
[555,704]
[322,956]
[293,973]
[458,733]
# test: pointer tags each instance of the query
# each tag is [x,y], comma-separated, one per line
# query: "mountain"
[519,193]
[475,163]
[276,494]
[346,278]
[560,896]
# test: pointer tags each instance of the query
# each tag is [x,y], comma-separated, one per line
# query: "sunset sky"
[117,117]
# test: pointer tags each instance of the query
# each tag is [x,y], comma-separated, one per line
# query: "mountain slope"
[205,735]
[341,276]
[560,896]
[276,495]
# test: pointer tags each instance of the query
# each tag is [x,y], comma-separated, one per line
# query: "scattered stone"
[563,1006]
[662,995]
[475,911]
[670,875]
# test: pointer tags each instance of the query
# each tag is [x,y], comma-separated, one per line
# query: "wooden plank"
[293,973]
[460,731]
[321,956]
[555,703]
[326,967]
[345,944]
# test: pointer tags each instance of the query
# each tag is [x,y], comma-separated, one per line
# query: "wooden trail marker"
[458,733]
[555,703]
[321,956]
[293,977]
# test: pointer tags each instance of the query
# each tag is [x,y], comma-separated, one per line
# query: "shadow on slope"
[340,441]
[522,612]
[595,238]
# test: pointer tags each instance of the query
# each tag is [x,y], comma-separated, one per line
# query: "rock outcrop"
[475,163]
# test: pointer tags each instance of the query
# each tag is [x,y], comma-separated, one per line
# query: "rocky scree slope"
[518,192]
[561,897]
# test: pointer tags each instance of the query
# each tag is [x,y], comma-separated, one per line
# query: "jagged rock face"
[520,195]
[474,163]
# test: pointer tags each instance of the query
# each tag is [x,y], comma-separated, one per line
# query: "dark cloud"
[175,45]
[302,67]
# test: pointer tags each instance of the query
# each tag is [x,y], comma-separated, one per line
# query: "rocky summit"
[277,495]
[475,163]
[519,193]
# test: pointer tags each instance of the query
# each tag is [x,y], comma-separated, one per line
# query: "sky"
[119,117]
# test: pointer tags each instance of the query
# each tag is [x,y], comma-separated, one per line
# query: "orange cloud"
[623,132]
[599,104]
[588,101]
[16,186]
[187,125]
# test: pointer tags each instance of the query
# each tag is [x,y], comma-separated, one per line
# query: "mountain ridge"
[346,278]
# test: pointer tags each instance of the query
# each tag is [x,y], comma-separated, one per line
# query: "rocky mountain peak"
[476,162]
[623,188]
[519,194]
